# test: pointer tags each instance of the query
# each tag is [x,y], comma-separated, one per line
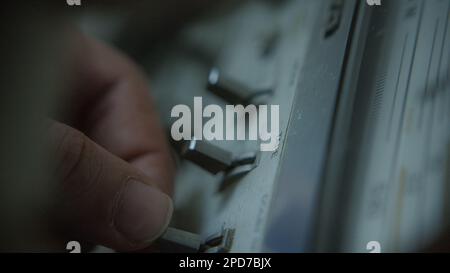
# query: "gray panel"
[295,203]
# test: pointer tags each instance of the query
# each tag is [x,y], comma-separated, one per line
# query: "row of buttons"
[211,157]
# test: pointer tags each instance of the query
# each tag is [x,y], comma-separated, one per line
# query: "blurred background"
[364,115]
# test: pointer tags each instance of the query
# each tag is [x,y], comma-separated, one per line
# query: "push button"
[232,91]
[215,159]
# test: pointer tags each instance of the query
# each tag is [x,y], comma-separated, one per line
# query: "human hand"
[112,158]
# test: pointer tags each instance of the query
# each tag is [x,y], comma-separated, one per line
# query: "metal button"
[209,157]
[215,159]
[179,241]
[232,91]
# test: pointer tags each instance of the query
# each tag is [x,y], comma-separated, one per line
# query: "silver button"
[206,155]
[215,159]
[232,91]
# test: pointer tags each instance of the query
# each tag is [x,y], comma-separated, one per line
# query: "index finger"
[114,108]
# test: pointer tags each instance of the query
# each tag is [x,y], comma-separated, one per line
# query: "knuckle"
[71,150]
[79,169]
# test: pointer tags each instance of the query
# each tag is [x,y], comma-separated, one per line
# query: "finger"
[116,111]
[103,199]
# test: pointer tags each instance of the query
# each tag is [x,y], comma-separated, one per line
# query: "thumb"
[103,199]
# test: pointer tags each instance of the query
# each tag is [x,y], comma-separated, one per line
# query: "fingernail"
[143,213]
